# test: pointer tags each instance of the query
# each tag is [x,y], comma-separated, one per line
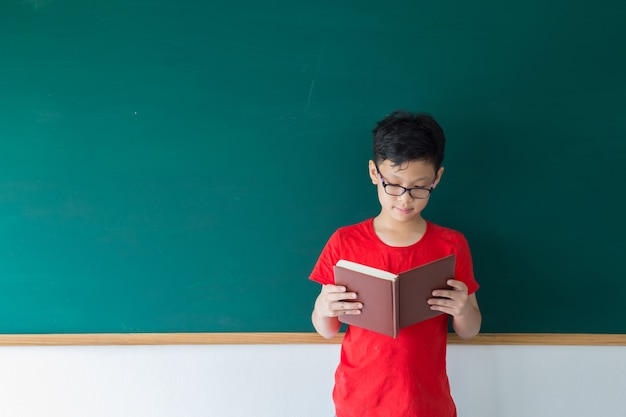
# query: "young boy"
[379,376]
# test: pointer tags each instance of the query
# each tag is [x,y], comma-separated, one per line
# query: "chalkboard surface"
[177,166]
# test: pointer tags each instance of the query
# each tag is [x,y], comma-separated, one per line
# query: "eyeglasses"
[398,190]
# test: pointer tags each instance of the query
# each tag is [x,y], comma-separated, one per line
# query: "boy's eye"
[414,186]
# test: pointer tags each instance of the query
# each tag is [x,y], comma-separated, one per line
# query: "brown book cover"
[393,301]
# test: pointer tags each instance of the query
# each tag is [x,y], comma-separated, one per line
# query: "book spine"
[395,300]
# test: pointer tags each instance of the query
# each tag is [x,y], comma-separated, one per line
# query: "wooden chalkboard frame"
[104,339]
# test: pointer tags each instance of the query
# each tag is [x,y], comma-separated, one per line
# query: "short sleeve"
[464,266]
[323,269]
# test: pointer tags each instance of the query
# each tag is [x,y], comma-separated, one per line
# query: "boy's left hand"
[454,302]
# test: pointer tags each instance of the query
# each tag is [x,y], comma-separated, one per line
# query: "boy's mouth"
[404,210]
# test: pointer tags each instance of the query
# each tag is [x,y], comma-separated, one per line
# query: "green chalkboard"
[177,166]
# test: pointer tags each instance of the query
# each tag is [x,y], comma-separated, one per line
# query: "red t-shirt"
[379,376]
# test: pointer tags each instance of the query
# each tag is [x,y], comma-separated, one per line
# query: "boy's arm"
[467,325]
[466,317]
[330,303]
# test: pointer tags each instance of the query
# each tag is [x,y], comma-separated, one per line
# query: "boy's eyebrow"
[425,177]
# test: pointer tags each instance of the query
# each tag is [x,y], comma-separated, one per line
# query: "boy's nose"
[405,196]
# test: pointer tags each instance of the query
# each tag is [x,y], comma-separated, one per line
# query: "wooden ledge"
[103,339]
[555,339]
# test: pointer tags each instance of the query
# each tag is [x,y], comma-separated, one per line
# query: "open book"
[392,302]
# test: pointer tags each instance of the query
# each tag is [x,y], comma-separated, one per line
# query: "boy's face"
[403,208]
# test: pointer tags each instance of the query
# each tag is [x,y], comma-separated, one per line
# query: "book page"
[368,270]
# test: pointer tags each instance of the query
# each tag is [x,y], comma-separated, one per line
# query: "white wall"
[294,381]
[538,381]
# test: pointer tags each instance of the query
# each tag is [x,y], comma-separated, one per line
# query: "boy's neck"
[394,233]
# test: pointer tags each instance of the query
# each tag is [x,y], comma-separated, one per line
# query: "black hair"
[403,136]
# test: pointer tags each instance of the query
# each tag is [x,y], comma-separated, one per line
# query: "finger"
[444,305]
[351,312]
[453,303]
[459,289]
[440,302]
[457,285]
[438,306]
[346,307]
[340,291]
[330,288]
[340,296]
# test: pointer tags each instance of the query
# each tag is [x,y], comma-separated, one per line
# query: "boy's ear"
[438,176]
[373,173]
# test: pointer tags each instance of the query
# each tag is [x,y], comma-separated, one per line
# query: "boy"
[379,376]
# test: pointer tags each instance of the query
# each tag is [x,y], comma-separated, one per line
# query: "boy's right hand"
[335,300]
